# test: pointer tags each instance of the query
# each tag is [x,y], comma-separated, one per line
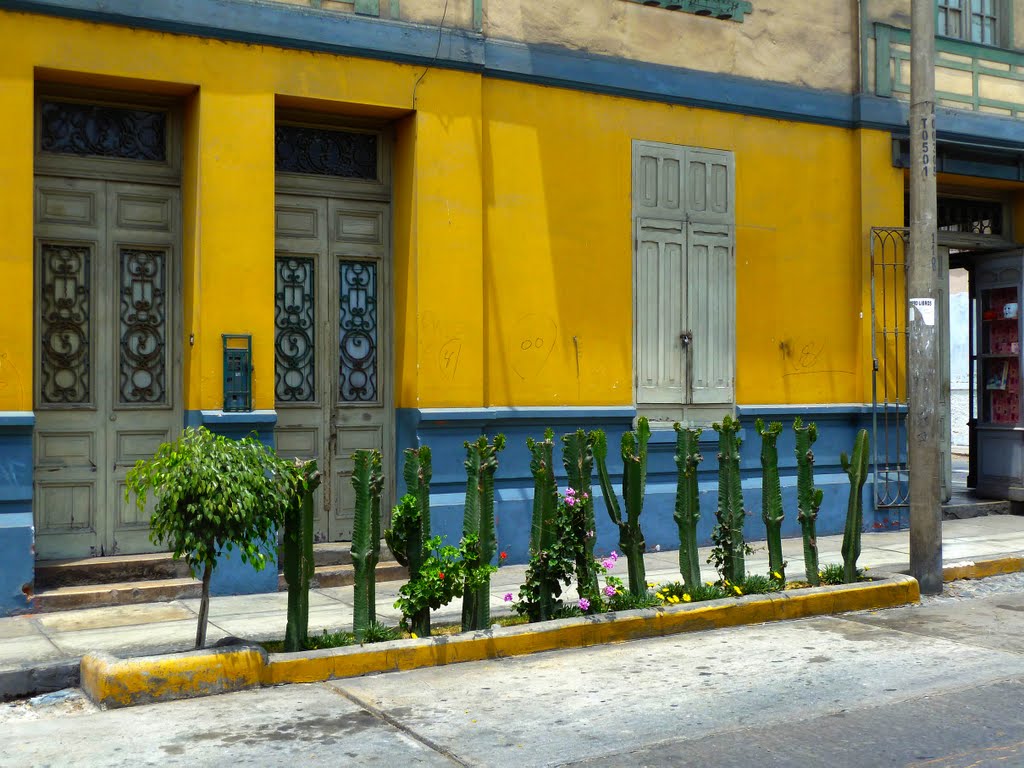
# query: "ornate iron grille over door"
[889,362]
[108,389]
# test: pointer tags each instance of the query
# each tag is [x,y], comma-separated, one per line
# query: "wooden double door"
[332,378]
[107,357]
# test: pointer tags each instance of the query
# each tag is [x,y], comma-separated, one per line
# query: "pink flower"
[586,495]
[607,563]
[570,500]
[610,591]
[508,597]
[584,604]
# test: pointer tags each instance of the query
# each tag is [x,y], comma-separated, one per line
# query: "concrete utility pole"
[922,291]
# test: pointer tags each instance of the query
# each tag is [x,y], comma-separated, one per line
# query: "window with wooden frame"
[977,21]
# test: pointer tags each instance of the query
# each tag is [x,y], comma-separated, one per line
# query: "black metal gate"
[889,316]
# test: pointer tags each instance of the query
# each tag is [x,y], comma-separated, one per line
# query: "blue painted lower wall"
[17,536]
[445,431]
[232,576]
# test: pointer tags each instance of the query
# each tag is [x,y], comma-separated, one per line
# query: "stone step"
[123,593]
[968,508]
[340,553]
[66,598]
[116,569]
[325,576]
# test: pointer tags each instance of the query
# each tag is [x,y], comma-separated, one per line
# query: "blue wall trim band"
[17,420]
[349,34]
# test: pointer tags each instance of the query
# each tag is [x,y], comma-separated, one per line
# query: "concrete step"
[340,553]
[123,593]
[325,576]
[963,509]
[116,569]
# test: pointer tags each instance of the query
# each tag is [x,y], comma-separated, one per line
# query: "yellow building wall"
[512,232]
[558,257]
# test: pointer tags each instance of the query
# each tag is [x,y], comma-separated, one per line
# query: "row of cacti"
[409,533]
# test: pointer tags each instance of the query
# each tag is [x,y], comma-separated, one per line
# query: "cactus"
[298,564]
[634,484]
[728,535]
[857,470]
[808,497]
[478,522]
[368,482]
[687,513]
[410,526]
[771,495]
[542,588]
[578,459]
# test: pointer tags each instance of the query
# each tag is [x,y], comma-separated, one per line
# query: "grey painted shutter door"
[709,186]
[660,299]
[660,311]
[711,312]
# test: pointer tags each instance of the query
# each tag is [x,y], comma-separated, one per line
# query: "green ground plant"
[772,512]
[410,525]
[856,469]
[478,523]
[729,550]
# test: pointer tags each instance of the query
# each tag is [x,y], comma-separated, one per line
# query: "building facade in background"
[418,221]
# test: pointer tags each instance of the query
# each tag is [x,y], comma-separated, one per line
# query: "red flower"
[441,575]
[504,555]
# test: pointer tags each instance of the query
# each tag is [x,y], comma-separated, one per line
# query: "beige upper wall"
[778,41]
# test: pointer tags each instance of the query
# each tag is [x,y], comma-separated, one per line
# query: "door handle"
[686,338]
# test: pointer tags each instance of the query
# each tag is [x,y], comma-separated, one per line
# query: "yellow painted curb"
[980,569]
[113,683]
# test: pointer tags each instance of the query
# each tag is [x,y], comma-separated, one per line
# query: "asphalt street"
[937,685]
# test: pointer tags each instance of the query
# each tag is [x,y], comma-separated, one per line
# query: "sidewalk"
[41,651]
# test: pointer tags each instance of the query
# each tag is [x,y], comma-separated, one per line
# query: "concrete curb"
[983,568]
[111,682]
[40,678]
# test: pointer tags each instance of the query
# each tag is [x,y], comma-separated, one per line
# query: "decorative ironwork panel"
[295,331]
[102,131]
[143,330]
[977,217]
[358,332]
[298,149]
[64,324]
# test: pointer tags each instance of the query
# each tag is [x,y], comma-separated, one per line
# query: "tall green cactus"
[634,485]
[771,495]
[687,512]
[728,534]
[543,587]
[578,459]
[857,470]
[410,526]
[478,521]
[368,482]
[808,498]
[298,565]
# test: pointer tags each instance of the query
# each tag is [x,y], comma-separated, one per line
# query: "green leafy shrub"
[329,640]
[215,495]
[441,578]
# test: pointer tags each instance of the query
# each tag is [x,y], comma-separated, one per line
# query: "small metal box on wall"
[237,372]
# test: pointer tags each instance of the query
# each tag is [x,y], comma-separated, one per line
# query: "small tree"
[214,494]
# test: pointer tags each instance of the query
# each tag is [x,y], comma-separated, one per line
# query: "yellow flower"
[737,590]
[687,598]
[673,599]
[651,584]
[413,636]
[776,575]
